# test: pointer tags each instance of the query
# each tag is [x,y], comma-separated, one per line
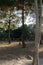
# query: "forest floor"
[14,54]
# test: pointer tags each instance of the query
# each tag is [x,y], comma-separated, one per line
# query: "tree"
[40,18]
[23,43]
[37,36]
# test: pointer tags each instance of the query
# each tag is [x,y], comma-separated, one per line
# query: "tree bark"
[23,43]
[9,28]
[37,37]
[40,19]
[9,32]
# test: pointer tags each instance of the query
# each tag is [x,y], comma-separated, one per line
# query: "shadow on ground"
[15,52]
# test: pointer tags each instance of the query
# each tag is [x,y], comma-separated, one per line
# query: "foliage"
[7,2]
[11,2]
[4,20]
[28,33]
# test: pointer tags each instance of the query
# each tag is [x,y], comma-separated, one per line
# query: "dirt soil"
[16,55]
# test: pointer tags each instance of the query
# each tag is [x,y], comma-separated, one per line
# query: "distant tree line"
[29,33]
[11,2]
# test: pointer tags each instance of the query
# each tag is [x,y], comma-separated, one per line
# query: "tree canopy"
[11,2]
[7,2]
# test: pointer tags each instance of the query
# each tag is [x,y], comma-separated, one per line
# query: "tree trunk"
[40,19]
[9,27]
[37,37]
[9,32]
[23,43]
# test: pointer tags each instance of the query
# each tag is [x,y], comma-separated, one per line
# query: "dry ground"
[14,54]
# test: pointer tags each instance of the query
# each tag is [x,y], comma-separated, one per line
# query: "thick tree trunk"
[40,19]
[37,36]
